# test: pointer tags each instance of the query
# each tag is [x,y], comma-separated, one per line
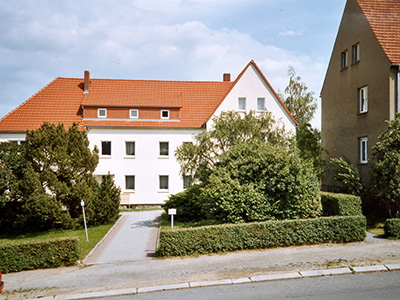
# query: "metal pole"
[84,220]
[172,221]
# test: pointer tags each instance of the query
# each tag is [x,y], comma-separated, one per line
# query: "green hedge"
[221,238]
[340,204]
[392,228]
[15,257]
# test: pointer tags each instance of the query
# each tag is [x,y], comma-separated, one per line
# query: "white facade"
[252,87]
[146,165]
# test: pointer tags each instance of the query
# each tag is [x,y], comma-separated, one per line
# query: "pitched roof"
[63,101]
[384,19]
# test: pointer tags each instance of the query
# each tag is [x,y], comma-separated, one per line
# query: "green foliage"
[341,204]
[199,158]
[15,257]
[348,176]
[299,101]
[308,141]
[187,203]
[392,228]
[255,181]
[385,173]
[105,205]
[209,239]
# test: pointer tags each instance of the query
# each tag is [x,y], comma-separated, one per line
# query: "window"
[134,114]
[164,148]
[260,103]
[130,182]
[163,182]
[187,180]
[363,150]
[356,53]
[165,114]
[344,60]
[130,148]
[102,113]
[363,99]
[242,104]
[106,148]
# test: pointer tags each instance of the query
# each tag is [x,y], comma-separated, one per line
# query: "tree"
[302,105]
[249,170]
[199,158]
[299,101]
[348,176]
[386,170]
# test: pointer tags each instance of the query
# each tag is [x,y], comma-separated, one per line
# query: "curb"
[251,279]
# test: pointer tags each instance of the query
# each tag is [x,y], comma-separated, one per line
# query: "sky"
[41,40]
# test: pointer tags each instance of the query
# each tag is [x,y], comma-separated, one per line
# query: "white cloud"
[291,33]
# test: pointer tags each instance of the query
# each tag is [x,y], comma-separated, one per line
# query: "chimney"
[227,77]
[86,84]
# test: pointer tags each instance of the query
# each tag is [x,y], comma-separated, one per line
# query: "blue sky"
[162,39]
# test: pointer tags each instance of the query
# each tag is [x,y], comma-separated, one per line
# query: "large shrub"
[385,173]
[392,228]
[256,181]
[340,204]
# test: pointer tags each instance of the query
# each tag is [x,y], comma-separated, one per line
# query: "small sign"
[172,211]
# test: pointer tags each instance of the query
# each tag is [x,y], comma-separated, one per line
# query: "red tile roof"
[61,101]
[384,19]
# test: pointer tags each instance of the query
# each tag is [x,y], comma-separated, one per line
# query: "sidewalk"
[131,277]
[133,237]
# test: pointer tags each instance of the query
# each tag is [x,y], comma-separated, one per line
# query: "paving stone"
[160,288]
[275,277]
[210,283]
[241,280]
[122,292]
[375,268]
[393,266]
[326,272]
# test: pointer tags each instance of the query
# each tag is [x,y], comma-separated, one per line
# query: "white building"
[138,124]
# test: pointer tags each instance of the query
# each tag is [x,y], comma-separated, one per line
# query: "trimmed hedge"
[340,204]
[269,234]
[392,228]
[15,257]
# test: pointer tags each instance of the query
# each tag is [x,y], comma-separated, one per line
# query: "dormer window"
[165,114]
[102,113]
[134,114]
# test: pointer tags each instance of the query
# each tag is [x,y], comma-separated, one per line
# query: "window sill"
[105,156]
[129,191]
[129,157]
[362,113]
[163,191]
[344,69]
[163,157]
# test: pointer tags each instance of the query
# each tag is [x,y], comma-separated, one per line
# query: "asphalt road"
[369,286]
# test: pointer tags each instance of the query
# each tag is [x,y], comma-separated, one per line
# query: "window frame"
[363,100]
[187,181]
[99,114]
[163,188]
[242,100]
[355,50]
[126,149]
[102,148]
[363,148]
[126,182]
[258,103]
[167,117]
[160,153]
[137,114]
[344,60]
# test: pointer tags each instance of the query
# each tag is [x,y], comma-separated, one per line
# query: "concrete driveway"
[134,237]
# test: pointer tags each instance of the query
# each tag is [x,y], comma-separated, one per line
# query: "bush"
[392,228]
[187,203]
[208,239]
[15,257]
[340,204]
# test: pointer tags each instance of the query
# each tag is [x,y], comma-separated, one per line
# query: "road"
[369,286]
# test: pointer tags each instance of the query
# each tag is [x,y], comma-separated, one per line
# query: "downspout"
[396,90]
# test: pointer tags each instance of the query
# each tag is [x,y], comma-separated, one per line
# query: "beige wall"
[342,124]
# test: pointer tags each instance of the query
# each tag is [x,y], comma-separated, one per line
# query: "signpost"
[84,220]
[172,212]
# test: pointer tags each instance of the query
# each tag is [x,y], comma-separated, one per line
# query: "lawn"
[96,233]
